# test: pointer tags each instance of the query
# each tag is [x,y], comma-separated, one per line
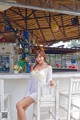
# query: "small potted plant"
[17,69]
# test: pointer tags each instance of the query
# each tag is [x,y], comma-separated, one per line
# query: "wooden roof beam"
[59,28]
[68,25]
[39,26]
[63,25]
[67,7]
[19,10]
[41,8]
[71,38]
[26,25]
[29,29]
[10,25]
[37,21]
[66,2]
[17,13]
[25,18]
[49,23]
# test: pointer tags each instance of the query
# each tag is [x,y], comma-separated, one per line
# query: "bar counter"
[16,85]
[26,75]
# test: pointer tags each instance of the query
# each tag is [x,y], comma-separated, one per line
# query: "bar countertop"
[27,75]
[14,76]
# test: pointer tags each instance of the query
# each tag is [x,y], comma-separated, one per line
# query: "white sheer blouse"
[44,75]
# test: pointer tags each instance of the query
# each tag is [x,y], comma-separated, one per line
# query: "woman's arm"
[49,77]
[32,67]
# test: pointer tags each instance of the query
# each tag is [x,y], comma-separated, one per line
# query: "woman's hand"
[31,67]
[52,83]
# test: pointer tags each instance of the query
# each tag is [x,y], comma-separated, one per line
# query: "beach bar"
[52,26]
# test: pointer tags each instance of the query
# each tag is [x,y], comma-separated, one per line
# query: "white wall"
[6,48]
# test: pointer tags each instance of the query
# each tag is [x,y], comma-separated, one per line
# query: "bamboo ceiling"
[40,24]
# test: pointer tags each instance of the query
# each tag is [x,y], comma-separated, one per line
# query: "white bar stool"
[4,103]
[72,99]
[48,99]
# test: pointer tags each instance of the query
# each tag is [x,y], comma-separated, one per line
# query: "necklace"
[39,67]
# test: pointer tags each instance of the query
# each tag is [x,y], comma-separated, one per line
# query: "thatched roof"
[41,24]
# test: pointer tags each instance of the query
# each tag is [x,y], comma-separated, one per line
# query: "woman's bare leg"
[22,105]
[18,116]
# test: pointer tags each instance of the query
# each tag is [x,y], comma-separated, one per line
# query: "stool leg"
[38,111]
[50,113]
[34,111]
[9,108]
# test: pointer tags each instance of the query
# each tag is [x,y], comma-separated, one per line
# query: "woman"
[40,72]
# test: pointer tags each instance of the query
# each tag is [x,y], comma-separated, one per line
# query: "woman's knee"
[18,106]
[23,104]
